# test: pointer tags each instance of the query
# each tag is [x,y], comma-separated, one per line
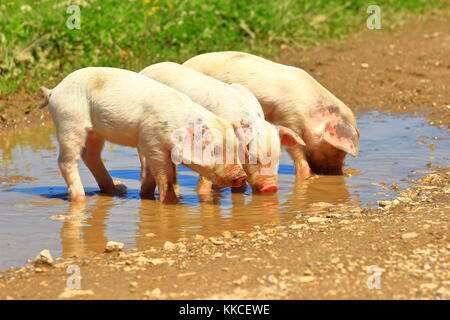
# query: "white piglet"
[290,97]
[235,103]
[92,105]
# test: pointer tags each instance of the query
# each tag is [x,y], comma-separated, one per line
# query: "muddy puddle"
[35,213]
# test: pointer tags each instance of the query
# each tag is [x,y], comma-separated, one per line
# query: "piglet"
[235,103]
[92,105]
[290,97]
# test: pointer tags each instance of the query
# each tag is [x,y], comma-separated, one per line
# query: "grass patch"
[37,47]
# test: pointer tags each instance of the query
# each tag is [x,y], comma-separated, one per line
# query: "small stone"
[409,235]
[429,286]
[169,246]
[142,261]
[316,220]
[186,274]
[384,203]
[215,241]
[364,65]
[227,234]
[307,272]
[306,279]
[199,237]
[181,247]
[44,257]
[241,280]
[157,261]
[112,246]
[321,205]
[150,235]
[156,292]
[133,284]
[72,293]
[272,279]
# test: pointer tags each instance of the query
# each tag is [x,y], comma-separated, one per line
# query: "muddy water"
[35,213]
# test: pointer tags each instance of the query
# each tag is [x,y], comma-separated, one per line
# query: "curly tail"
[46,93]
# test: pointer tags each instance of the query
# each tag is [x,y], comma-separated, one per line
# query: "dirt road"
[398,251]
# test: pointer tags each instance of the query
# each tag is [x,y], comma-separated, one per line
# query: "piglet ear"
[244,137]
[244,134]
[342,136]
[288,137]
[194,146]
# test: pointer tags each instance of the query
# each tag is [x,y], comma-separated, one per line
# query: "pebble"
[150,235]
[169,246]
[199,237]
[364,65]
[272,279]
[321,205]
[112,246]
[157,261]
[306,279]
[429,286]
[216,241]
[316,220]
[241,280]
[227,234]
[44,257]
[409,235]
[186,274]
[155,292]
[142,261]
[72,293]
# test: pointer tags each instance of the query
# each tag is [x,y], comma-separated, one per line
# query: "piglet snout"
[266,184]
[269,188]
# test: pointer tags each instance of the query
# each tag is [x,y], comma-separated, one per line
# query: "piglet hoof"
[240,189]
[204,189]
[204,197]
[109,190]
[78,198]
[304,173]
[149,196]
[168,200]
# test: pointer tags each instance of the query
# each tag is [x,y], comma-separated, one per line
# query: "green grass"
[37,48]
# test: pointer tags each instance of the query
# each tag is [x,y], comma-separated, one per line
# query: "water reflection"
[389,152]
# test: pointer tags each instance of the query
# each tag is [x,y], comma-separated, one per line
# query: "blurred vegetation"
[36,46]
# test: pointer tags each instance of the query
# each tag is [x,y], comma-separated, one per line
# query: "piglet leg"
[148,183]
[92,158]
[71,144]
[302,169]
[162,169]
[204,185]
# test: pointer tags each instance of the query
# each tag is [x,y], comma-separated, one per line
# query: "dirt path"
[406,240]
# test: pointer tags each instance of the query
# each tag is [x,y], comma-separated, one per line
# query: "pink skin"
[269,188]
[79,198]
[268,185]
[204,186]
